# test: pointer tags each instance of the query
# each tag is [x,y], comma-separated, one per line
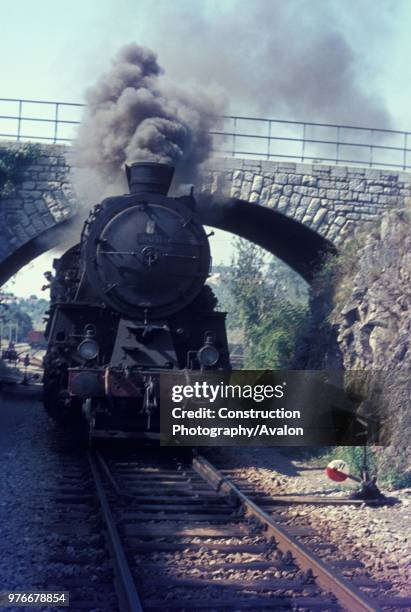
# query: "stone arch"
[330,200]
[26,252]
[34,217]
[297,245]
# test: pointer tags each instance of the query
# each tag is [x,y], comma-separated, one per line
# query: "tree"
[13,318]
[247,286]
[36,309]
[275,337]
[285,282]
[270,306]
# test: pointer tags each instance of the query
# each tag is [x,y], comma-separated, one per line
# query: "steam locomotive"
[127,303]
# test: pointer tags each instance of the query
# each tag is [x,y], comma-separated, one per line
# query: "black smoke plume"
[301,60]
[133,115]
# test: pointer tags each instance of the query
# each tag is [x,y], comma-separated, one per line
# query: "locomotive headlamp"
[88,349]
[208,356]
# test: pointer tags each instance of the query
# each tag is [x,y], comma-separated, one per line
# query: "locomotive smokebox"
[149,177]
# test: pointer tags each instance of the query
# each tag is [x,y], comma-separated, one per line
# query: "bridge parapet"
[332,200]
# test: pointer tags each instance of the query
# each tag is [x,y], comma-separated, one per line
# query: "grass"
[12,163]
[391,474]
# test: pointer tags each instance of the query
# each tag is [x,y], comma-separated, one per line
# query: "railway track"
[185,537]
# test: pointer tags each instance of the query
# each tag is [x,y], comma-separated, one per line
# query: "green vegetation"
[14,323]
[388,475]
[395,477]
[12,163]
[267,306]
[36,309]
[352,455]
[19,315]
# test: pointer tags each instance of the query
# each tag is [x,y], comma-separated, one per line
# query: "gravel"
[34,525]
[377,536]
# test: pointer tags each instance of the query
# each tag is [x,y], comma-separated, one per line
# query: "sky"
[345,61]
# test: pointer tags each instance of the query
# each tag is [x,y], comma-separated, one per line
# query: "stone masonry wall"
[329,199]
[42,199]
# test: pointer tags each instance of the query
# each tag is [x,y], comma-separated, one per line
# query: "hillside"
[362,321]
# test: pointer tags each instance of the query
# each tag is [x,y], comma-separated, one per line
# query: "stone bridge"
[331,200]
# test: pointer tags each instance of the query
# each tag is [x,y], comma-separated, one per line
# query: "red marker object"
[337,470]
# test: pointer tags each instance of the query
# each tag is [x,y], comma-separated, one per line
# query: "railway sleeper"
[268,584]
[154,547]
[185,507]
[142,517]
[225,566]
[176,530]
[242,603]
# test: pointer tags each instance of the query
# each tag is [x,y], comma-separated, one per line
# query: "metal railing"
[238,137]
[296,141]
[53,122]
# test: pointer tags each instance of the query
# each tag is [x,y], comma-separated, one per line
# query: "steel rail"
[123,572]
[349,596]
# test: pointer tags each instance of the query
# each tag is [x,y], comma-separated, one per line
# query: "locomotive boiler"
[127,303]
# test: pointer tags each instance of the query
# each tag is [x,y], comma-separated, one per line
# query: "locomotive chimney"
[149,177]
